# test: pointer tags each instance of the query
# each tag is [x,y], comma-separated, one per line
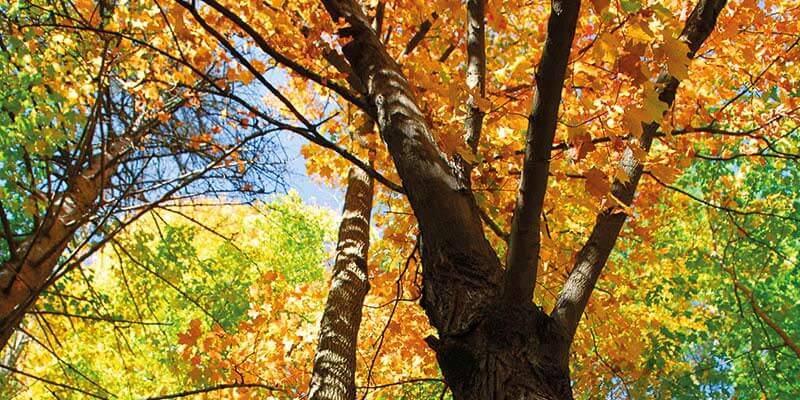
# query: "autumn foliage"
[191,279]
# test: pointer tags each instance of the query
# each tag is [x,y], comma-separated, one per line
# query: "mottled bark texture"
[333,377]
[476,83]
[493,342]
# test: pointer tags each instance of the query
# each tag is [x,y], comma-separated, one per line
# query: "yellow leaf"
[605,48]
[652,106]
[677,55]
[633,121]
[639,33]
[482,103]
[621,176]
[664,173]
[467,154]
[179,26]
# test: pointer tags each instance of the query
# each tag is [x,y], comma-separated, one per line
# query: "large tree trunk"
[512,353]
[335,362]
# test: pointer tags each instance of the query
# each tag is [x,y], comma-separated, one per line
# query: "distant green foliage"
[194,263]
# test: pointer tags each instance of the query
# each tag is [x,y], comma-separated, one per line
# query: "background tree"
[116,328]
[91,144]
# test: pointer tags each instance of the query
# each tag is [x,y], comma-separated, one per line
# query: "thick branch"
[462,271]
[476,82]
[593,256]
[524,242]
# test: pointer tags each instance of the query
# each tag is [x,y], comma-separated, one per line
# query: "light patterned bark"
[333,376]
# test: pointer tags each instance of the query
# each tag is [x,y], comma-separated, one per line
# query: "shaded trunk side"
[333,376]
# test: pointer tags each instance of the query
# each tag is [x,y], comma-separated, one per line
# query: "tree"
[90,146]
[492,341]
[335,362]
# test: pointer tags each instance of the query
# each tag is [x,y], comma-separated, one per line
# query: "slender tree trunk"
[333,376]
[25,274]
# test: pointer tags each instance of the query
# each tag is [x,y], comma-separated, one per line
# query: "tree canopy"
[543,200]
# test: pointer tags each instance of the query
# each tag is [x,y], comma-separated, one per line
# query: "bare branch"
[218,388]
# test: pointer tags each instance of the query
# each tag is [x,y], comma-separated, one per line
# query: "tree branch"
[593,256]
[333,374]
[524,241]
[217,388]
[476,69]
[476,82]
[7,231]
[424,27]
[49,382]
[787,340]
[97,318]
[463,273]
[289,63]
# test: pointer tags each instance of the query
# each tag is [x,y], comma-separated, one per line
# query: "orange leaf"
[597,182]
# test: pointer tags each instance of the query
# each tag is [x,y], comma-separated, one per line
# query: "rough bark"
[333,376]
[462,271]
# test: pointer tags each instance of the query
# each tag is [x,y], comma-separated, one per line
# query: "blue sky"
[311,190]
